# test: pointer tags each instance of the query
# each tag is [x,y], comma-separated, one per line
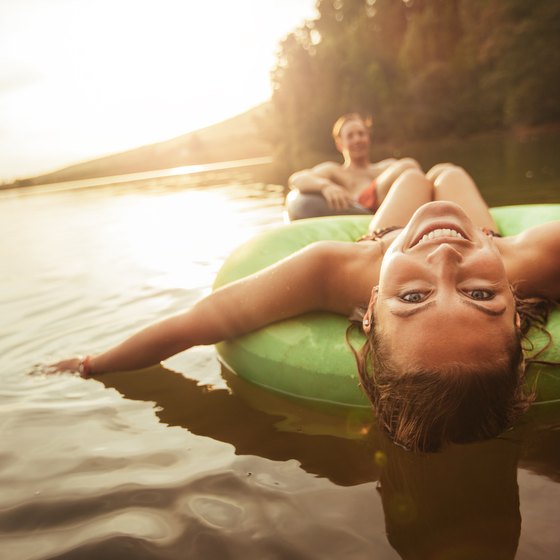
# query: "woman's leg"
[385,181]
[453,183]
[410,191]
[437,170]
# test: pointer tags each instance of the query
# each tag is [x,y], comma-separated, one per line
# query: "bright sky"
[83,78]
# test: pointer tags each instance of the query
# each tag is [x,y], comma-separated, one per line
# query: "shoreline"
[78,184]
[385,148]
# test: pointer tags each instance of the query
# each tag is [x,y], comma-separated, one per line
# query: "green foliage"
[421,68]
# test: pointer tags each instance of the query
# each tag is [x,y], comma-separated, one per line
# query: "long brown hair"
[423,410]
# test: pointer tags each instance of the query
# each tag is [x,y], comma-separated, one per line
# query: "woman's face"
[443,294]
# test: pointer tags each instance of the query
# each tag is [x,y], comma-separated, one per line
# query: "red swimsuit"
[368,197]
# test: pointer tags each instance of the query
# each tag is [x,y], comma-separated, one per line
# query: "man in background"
[356,186]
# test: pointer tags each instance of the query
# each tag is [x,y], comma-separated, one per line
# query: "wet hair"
[341,121]
[422,410]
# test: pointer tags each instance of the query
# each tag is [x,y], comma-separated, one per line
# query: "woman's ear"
[367,321]
[517,320]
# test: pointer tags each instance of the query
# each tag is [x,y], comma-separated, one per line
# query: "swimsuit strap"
[378,234]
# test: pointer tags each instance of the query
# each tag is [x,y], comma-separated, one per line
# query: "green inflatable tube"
[307,356]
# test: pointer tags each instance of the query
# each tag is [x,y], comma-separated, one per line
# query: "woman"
[443,328]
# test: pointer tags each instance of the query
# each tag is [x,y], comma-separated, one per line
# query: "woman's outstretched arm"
[300,283]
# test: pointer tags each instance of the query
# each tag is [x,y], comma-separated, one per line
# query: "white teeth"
[442,232]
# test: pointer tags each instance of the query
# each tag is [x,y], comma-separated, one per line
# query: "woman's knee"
[413,172]
[438,169]
[410,191]
[412,178]
[452,175]
[404,164]
[406,169]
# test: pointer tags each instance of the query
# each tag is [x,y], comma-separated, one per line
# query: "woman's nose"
[444,253]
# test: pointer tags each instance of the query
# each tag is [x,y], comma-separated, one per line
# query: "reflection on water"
[463,503]
[260,422]
[195,462]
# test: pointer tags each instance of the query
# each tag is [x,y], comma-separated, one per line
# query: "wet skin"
[445,299]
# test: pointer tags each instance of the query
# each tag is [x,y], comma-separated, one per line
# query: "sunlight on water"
[177,236]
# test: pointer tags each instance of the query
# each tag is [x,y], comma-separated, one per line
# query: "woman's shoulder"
[543,238]
[532,259]
[350,270]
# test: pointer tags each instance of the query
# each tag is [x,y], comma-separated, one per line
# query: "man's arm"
[316,178]
[322,179]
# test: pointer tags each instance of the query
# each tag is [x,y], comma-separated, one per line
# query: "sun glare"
[157,245]
[84,78]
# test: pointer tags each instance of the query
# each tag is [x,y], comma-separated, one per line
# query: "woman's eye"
[480,294]
[413,297]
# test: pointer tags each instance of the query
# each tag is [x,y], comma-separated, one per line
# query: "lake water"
[187,461]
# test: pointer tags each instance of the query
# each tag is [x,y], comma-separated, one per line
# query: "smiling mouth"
[438,232]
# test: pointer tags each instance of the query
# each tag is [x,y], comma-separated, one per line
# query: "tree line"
[423,69]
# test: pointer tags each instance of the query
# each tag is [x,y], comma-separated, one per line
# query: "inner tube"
[300,206]
[307,356]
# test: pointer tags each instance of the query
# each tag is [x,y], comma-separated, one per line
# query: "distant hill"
[232,139]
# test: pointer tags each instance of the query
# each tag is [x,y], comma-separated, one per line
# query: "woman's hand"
[72,365]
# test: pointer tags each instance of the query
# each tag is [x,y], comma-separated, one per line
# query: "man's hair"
[341,121]
[422,410]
